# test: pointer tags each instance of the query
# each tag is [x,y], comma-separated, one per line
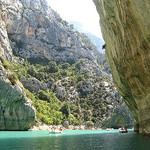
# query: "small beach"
[70,127]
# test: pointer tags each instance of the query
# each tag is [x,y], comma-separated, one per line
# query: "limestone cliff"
[35,30]
[16,111]
[5,48]
[126,30]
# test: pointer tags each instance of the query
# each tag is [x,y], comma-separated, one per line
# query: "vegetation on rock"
[72,94]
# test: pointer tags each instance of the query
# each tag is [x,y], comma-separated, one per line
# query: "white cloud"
[83,11]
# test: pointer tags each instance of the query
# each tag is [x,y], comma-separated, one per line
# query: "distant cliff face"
[35,30]
[126,31]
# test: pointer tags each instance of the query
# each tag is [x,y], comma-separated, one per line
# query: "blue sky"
[83,11]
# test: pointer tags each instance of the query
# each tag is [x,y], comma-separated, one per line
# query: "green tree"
[65,65]
[52,67]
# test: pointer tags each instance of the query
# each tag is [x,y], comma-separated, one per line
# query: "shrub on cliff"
[12,78]
[79,64]
[2,59]
[6,64]
[43,95]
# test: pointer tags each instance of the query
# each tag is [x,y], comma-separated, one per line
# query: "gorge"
[48,66]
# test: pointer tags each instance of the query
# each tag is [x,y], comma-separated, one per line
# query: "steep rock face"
[126,30]
[5,48]
[35,30]
[16,111]
[121,117]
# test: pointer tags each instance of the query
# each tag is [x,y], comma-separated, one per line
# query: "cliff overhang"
[126,31]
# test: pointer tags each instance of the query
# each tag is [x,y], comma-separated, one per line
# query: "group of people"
[122,128]
[55,130]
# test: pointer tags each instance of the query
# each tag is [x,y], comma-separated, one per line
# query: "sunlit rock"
[126,31]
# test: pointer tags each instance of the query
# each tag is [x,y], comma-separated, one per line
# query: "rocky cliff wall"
[5,48]
[16,111]
[35,30]
[126,31]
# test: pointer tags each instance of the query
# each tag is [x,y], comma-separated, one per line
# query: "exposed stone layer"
[33,84]
[121,117]
[126,31]
[35,30]
[5,48]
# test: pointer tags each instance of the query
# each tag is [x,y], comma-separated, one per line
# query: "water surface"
[73,140]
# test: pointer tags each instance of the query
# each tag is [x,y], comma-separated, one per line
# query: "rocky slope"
[81,94]
[35,30]
[126,30]
[49,57]
[16,111]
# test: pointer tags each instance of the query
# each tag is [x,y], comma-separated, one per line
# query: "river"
[73,140]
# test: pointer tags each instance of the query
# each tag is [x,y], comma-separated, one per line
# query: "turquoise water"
[73,140]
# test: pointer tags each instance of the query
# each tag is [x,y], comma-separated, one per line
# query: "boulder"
[33,84]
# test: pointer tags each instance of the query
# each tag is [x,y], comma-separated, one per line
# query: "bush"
[32,71]
[12,78]
[64,73]
[6,64]
[79,64]
[89,124]
[64,110]
[86,75]
[65,65]
[57,119]
[80,78]
[2,59]
[52,68]
[43,95]
[73,120]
